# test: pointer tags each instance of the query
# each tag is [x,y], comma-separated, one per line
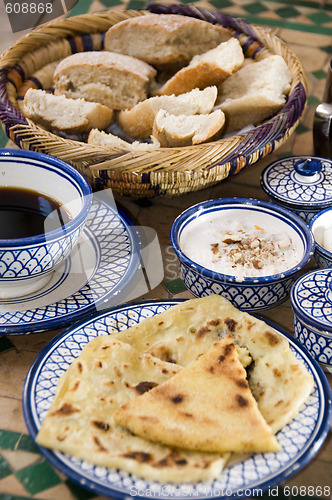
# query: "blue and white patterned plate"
[97,274]
[300,440]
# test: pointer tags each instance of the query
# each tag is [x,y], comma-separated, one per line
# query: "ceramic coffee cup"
[37,187]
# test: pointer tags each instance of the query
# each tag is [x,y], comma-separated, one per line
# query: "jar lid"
[304,181]
[311,299]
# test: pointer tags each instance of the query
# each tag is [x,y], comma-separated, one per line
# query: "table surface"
[306,26]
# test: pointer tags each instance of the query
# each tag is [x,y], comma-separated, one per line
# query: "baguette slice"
[186,130]
[207,406]
[113,142]
[115,80]
[210,68]
[138,121]
[164,38]
[73,116]
[255,92]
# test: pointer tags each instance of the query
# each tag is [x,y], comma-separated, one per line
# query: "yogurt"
[244,246]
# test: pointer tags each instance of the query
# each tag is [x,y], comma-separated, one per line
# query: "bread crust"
[184,130]
[138,121]
[73,116]
[210,68]
[254,93]
[115,80]
[164,38]
[114,143]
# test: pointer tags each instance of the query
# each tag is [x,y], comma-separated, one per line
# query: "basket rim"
[259,141]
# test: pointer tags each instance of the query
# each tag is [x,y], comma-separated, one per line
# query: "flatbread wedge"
[279,381]
[80,422]
[207,406]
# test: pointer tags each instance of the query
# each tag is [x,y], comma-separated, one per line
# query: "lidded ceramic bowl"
[311,299]
[302,184]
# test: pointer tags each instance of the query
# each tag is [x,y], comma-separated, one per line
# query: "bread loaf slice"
[138,121]
[255,92]
[184,130]
[164,38]
[73,116]
[210,68]
[113,142]
[115,80]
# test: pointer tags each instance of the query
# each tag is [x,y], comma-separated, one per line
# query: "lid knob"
[308,167]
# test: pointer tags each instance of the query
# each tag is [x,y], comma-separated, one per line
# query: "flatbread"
[207,406]
[279,381]
[80,422]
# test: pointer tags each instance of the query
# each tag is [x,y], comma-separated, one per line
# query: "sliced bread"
[254,93]
[113,142]
[73,116]
[138,121]
[164,38]
[210,68]
[186,130]
[115,80]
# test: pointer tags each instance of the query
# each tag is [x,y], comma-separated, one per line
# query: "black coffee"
[25,212]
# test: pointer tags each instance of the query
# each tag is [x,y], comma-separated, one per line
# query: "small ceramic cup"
[27,263]
[321,228]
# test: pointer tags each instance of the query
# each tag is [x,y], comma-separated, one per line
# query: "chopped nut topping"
[246,250]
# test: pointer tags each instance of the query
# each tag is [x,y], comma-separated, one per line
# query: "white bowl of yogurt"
[248,250]
[321,227]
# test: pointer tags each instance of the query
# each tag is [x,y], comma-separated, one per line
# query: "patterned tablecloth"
[306,26]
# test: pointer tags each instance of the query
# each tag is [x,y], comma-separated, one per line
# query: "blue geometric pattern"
[312,297]
[115,263]
[298,439]
[36,259]
[322,260]
[247,297]
[282,181]
[318,344]
[305,213]
[312,304]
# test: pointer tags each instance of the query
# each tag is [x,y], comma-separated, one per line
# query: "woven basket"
[163,172]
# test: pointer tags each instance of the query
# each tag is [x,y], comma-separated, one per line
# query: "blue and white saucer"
[99,273]
[300,439]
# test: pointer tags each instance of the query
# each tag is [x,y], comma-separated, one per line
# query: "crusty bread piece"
[113,142]
[116,80]
[185,130]
[164,38]
[255,92]
[73,116]
[138,121]
[210,68]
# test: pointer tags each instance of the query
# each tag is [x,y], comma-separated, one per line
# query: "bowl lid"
[304,181]
[311,298]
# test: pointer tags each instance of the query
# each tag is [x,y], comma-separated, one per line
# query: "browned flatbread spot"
[217,408]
